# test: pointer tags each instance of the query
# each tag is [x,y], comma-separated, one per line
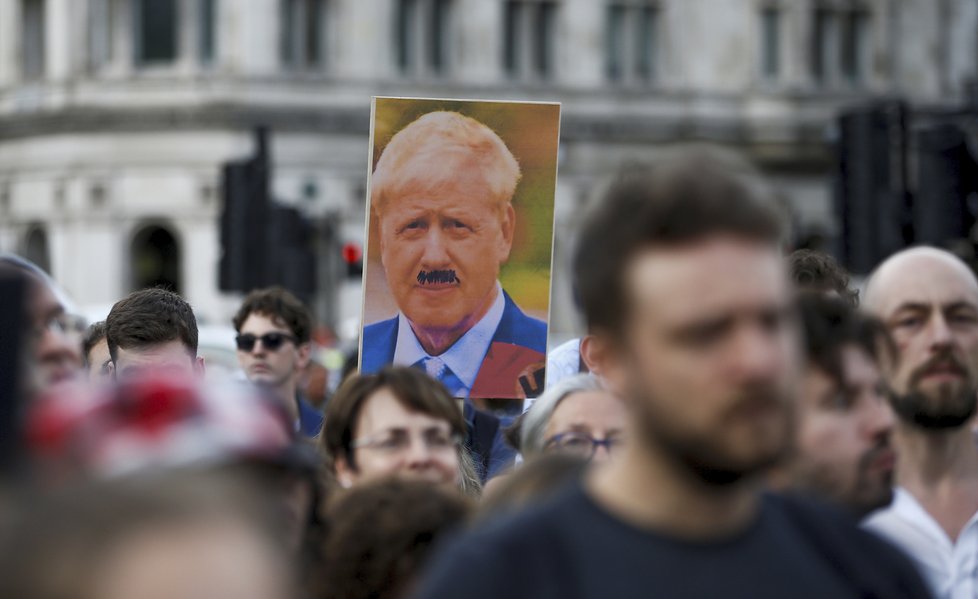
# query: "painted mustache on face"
[428,277]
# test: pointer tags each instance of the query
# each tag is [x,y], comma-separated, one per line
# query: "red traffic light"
[352,253]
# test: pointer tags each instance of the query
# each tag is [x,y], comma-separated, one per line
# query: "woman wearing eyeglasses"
[397,422]
[577,416]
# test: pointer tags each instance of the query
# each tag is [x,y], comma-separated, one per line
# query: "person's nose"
[601,453]
[435,250]
[941,336]
[418,454]
[56,347]
[878,416]
[756,355]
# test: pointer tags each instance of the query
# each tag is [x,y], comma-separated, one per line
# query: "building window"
[423,36]
[36,247]
[854,50]
[529,39]
[630,41]
[840,46]
[770,43]
[207,31]
[303,33]
[156,31]
[32,42]
[820,59]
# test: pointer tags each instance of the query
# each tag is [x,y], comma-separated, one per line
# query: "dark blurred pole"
[947,178]
[872,195]
[13,290]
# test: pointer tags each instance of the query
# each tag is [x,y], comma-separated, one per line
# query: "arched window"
[36,247]
[155,256]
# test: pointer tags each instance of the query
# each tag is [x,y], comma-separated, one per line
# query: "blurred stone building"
[115,115]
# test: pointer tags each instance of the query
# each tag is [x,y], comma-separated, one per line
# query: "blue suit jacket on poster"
[520,342]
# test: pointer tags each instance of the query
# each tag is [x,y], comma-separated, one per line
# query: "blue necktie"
[438,370]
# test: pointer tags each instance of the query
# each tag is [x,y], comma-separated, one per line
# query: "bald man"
[442,195]
[928,299]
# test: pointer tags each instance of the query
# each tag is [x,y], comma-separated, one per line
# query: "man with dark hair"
[95,350]
[274,330]
[397,421]
[153,329]
[842,439]
[817,271]
[928,299]
[684,289]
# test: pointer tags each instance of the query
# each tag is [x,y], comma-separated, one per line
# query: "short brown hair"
[278,304]
[690,196]
[817,271]
[414,389]
[381,536]
[150,317]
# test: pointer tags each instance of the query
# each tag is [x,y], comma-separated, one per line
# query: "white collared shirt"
[464,357]
[950,568]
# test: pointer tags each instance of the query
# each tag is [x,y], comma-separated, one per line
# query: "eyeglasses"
[581,444]
[399,441]
[270,341]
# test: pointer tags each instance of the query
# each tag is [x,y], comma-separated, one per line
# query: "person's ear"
[604,358]
[345,474]
[508,226]
[304,352]
[199,369]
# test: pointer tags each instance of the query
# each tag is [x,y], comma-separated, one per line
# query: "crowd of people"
[736,422]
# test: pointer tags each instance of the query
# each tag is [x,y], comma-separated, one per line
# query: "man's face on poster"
[442,247]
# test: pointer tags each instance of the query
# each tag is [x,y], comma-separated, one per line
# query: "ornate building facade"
[116,115]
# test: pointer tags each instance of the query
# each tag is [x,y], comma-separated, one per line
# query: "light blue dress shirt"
[464,357]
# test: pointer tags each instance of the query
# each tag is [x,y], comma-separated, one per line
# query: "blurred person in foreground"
[578,416]
[161,535]
[928,299]
[442,193]
[53,346]
[842,447]
[381,535]
[273,342]
[161,422]
[691,310]
[95,350]
[397,422]
[153,330]
[821,273]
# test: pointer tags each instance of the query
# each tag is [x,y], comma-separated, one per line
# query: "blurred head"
[684,288]
[160,536]
[842,448]
[534,481]
[442,193]
[52,338]
[95,350]
[396,422]
[153,330]
[382,535]
[819,272]
[273,337]
[928,300]
[576,416]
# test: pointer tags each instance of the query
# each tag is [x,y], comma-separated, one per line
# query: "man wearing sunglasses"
[273,349]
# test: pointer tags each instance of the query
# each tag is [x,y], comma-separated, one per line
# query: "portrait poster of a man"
[460,237]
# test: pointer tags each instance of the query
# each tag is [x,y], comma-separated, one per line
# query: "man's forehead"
[692,280]
[169,352]
[923,285]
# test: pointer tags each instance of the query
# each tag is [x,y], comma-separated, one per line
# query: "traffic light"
[872,198]
[353,258]
[263,243]
[947,177]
